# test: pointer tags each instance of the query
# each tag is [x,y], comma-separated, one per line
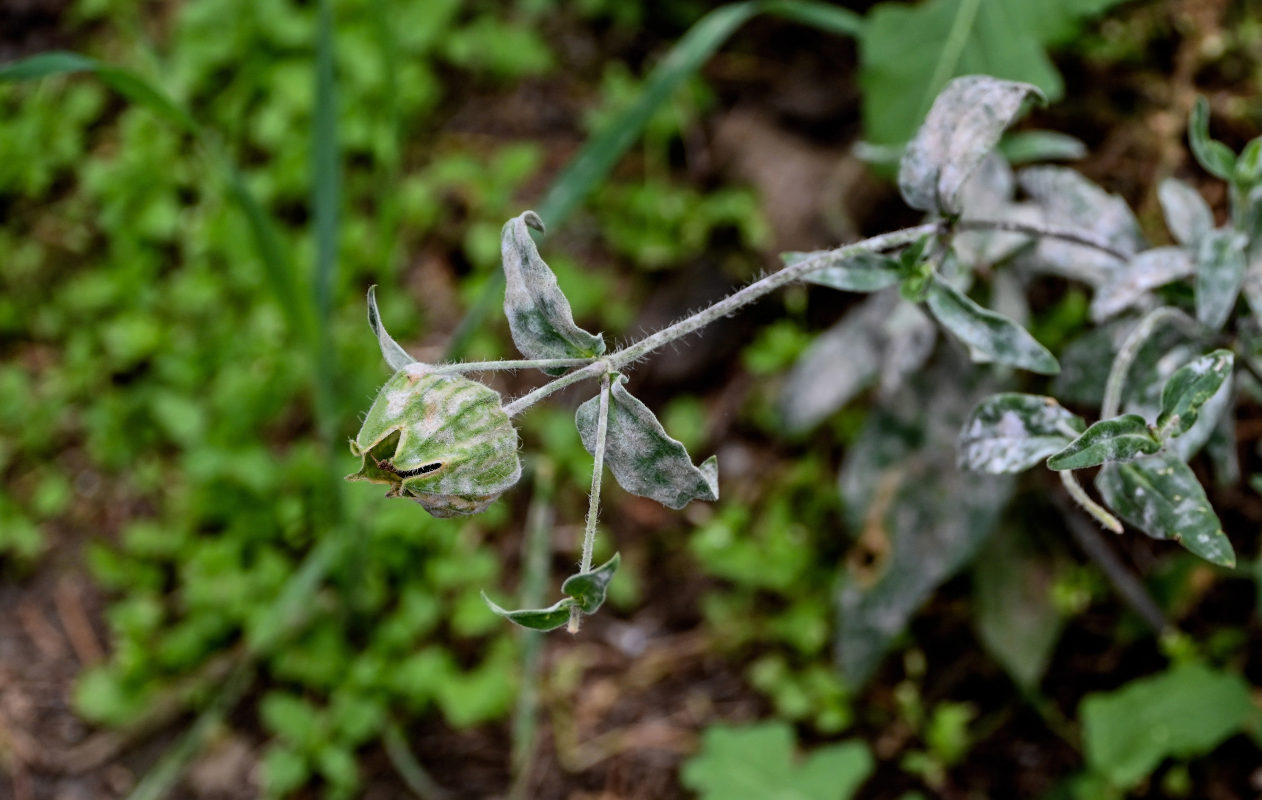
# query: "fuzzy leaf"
[588,588]
[992,335]
[1118,439]
[1012,432]
[539,316]
[1220,267]
[1162,497]
[642,457]
[963,126]
[1187,214]
[536,619]
[857,272]
[1190,388]
[1069,200]
[1213,156]
[396,357]
[1128,285]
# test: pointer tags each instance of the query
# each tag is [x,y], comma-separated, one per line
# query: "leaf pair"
[1129,436]
[584,591]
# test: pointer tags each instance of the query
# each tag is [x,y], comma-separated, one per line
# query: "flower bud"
[442,440]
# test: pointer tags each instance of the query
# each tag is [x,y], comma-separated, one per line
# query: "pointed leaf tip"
[396,357]
[1123,438]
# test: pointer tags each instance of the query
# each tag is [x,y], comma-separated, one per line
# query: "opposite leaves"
[964,124]
[642,457]
[585,591]
[538,314]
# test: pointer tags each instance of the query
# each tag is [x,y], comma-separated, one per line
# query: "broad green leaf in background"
[1187,214]
[585,591]
[1213,156]
[1016,619]
[539,316]
[918,518]
[1161,496]
[963,126]
[1182,713]
[396,357]
[991,335]
[1070,201]
[757,762]
[1188,389]
[1110,440]
[1220,268]
[884,338]
[1012,432]
[642,457]
[856,272]
[909,52]
[1128,285]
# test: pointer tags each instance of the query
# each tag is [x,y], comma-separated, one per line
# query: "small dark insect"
[408,473]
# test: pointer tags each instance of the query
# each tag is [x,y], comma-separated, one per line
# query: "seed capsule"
[442,440]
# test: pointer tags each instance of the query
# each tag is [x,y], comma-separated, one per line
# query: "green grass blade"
[825,16]
[326,177]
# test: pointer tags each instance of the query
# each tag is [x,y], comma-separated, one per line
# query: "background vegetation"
[198,606]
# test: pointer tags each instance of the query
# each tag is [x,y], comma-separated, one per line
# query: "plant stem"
[494,366]
[1080,496]
[593,502]
[738,299]
[1046,231]
[1129,351]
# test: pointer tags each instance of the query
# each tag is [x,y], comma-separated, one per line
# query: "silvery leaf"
[1123,438]
[1220,267]
[1070,201]
[642,457]
[1187,214]
[1215,430]
[1189,388]
[1012,432]
[987,195]
[538,314]
[858,272]
[884,336]
[396,357]
[992,335]
[963,125]
[1162,497]
[1127,286]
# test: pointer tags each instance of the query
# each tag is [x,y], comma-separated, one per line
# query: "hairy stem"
[1129,351]
[1084,501]
[593,502]
[494,366]
[738,299]
[1045,231]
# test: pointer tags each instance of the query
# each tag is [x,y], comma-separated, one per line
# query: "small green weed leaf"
[1016,619]
[1182,713]
[1220,268]
[536,619]
[1012,432]
[757,762]
[396,357]
[1162,497]
[588,588]
[1121,438]
[857,272]
[1187,214]
[1128,285]
[1025,147]
[1070,201]
[441,440]
[963,126]
[1189,388]
[1214,157]
[993,335]
[539,316]
[642,457]
[883,339]
[1249,165]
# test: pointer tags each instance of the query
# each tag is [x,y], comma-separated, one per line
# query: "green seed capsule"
[442,440]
